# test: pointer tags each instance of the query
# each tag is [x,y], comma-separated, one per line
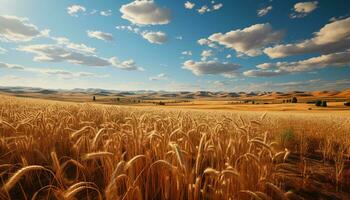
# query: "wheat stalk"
[17,176]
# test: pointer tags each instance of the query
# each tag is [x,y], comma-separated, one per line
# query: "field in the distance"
[334,107]
[225,101]
[60,150]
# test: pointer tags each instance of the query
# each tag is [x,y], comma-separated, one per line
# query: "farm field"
[334,107]
[63,150]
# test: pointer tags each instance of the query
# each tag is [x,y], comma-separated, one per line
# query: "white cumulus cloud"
[17,29]
[211,68]
[57,53]
[333,37]
[10,66]
[217,6]
[145,12]
[74,10]
[248,41]
[206,42]
[155,37]
[189,5]
[100,35]
[106,13]
[302,9]
[129,28]
[203,9]
[265,73]
[339,59]
[65,42]
[158,77]
[206,54]
[62,51]
[129,65]
[50,71]
[188,53]
[263,11]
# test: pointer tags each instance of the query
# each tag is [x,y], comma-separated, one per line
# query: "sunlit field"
[56,150]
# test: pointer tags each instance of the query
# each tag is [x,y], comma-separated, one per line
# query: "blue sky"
[220,45]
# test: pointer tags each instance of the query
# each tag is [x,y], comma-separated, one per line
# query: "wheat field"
[56,150]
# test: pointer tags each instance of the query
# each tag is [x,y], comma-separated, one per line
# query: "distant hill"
[47,91]
[345,93]
[203,94]
[149,94]
[324,93]
[173,95]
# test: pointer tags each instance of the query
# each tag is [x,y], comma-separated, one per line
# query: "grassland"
[60,150]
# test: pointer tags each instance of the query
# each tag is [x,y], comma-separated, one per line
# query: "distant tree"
[253,102]
[324,104]
[347,104]
[284,101]
[118,99]
[294,100]
[318,103]
[94,98]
